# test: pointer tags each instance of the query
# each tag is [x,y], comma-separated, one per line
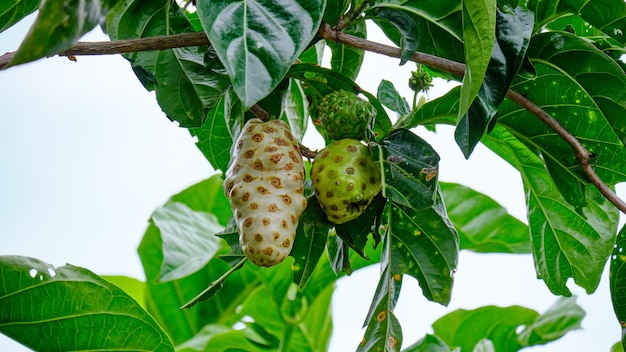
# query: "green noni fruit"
[345,179]
[342,114]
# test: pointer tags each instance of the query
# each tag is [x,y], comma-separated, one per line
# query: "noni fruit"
[345,179]
[342,114]
[265,186]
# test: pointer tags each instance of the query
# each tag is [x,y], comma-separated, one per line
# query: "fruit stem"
[287,334]
[382,170]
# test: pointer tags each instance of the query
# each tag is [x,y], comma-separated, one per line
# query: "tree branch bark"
[325,31]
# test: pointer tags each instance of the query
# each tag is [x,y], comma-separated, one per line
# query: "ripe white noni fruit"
[265,185]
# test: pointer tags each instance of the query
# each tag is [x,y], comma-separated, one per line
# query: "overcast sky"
[86,155]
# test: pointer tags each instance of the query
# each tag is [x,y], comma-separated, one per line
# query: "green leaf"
[566,243]
[206,196]
[189,240]
[186,88]
[484,225]
[583,89]
[617,281]
[320,81]
[58,26]
[345,58]
[410,168]
[338,254]
[189,82]
[424,244]
[438,23]
[213,136]
[295,109]
[389,97]
[513,31]
[428,343]
[442,110]
[383,331]
[466,328]
[13,11]
[133,287]
[82,311]
[562,317]
[355,232]
[307,250]
[257,41]
[399,27]
[479,24]
[219,338]
[608,16]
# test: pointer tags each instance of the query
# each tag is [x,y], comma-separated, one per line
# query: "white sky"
[86,155]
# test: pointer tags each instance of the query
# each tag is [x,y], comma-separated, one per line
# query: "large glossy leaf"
[189,240]
[425,245]
[190,81]
[465,328]
[585,91]
[257,41]
[71,308]
[479,28]
[608,16]
[617,281]
[566,242]
[307,250]
[186,87]
[484,225]
[58,26]
[508,328]
[410,169]
[13,11]
[562,317]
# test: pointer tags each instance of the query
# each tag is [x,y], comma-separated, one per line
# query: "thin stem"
[285,342]
[219,281]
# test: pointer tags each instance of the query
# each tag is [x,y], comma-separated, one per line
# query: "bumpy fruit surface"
[265,185]
[342,114]
[345,179]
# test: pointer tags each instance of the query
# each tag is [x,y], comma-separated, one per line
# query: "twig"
[582,154]
[127,46]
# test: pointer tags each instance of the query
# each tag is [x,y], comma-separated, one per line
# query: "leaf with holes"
[78,310]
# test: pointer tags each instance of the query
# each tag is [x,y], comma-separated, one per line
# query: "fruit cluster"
[265,178]
[344,174]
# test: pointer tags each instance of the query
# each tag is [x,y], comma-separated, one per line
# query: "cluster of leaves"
[562,55]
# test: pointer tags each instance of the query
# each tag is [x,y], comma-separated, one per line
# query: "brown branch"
[127,46]
[582,154]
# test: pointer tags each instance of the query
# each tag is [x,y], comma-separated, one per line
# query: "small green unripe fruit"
[265,186]
[342,114]
[345,179]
